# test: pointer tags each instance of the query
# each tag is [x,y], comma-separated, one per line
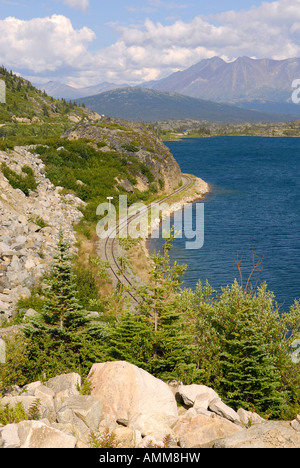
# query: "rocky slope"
[128,138]
[29,227]
[139,411]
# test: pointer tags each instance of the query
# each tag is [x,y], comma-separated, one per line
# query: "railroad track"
[111,242]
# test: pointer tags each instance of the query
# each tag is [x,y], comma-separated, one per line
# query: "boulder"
[127,437]
[202,431]
[189,393]
[218,407]
[295,424]
[31,388]
[9,437]
[271,434]
[83,412]
[126,392]
[64,386]
[34,434]
[202,401]
[38,434]
[46,398]
[158,427]
[248,418]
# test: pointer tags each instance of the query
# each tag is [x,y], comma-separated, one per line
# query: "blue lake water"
[253,206]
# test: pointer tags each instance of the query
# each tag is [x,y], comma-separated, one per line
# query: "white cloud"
[78,4]
[270,30]
[152,50]
[43,44]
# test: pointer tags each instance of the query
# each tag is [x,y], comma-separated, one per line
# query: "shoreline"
[198,192]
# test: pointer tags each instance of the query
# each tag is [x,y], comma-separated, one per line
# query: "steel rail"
[110,243]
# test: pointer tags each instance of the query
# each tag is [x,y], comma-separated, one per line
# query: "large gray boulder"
[35,434]
[189,394]
[83,412]
[127,392]
[64,386]
[218,407]
[271,434]
[202,431]
[65,383]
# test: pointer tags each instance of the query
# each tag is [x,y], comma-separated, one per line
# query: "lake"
[253,207]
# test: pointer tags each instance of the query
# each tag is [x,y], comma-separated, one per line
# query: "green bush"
[146,172]
[15,414]
[132,147]
[25,182]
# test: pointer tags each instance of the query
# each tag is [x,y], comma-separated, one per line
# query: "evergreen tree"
[175,349]
[62,314]
[172,352]
[131,339]
[165,280]
[247,329]
[62,335]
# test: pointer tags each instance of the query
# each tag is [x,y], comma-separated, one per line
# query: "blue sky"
[84,42]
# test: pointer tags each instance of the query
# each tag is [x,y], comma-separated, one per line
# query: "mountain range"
[143,104]
[262,85]
[63,91]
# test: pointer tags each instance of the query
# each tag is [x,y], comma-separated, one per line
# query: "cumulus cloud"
[270,30]
[151,50]
[43,44]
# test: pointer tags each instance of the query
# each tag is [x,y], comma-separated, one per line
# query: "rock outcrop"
[29,227]
[139,410]
[133,140]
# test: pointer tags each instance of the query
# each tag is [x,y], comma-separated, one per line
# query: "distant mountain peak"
[246,81]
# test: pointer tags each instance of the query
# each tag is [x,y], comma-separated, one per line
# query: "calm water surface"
[254,206]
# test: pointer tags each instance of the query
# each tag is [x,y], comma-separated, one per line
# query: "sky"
[86,42]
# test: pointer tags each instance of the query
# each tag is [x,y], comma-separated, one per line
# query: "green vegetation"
[104,440]
[132,147]
[29,113]
[62,334]
[178,129]
[91,174]
[15,414]
[25,181]
[38,221]
[235,341]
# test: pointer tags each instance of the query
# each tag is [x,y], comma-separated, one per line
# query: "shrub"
[24,182]
[105,440]
[15,414]
[132,147]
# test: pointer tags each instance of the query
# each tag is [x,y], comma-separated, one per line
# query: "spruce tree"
[61,335]
[165,280]
[62,315]
[172,353]
[131,339]
[249,377]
